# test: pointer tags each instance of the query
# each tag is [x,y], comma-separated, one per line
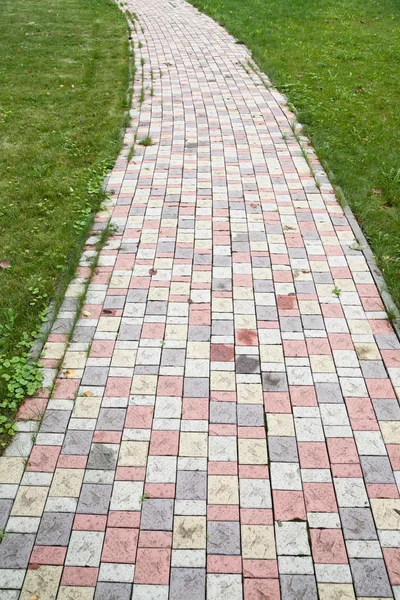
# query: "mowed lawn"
[338,63]
[64,73]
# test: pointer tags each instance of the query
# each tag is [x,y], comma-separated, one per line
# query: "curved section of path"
[225,422]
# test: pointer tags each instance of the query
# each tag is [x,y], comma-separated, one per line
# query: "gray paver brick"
[55,529]
[283,449]
[377,469]
[15,550]
[157,514]
[94,499]
[358,524]
[189,583]
[111,419]
[294,587]
[222,412]
[103,456]
[113,591]
[55,421]
[223,537]
[191,485]
[77,442]
[370,577]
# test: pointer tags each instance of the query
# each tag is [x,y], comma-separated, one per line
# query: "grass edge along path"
[335,61]
[62,110]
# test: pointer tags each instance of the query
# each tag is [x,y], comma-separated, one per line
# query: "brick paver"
[225,422]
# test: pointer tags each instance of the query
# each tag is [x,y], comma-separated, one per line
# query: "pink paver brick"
[221,512]
[346,470]
[43,458]
[261,588]
[277,402]
[125,519]
[48,555]
[160,490]
[319,497]
[289,505]
[342,450]
[32,409]
[195,408]
[328,546]
[155,539]
[313,455]
[152,566]
[107,437]
[224,564]
[256,516]
[80,576]
[66,461]
[65,389]
[261,569]
[303,395]
[392,560]
[118,386]
[164,443]
[170,386]
[90,522]
[130,473]
[139,417]
[380,388]
[120,545]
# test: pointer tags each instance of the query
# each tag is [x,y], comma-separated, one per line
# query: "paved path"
[216,336]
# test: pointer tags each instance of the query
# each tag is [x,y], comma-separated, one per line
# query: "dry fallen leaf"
[86,313]
[88,394]
[5,264]
[34,596]
[70,373]
[152,271]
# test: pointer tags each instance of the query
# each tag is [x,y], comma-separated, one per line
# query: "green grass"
[337,61]
[64,75]
[147,141]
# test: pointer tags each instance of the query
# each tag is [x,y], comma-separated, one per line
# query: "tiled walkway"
[225,422]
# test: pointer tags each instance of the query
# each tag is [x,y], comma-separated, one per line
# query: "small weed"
[131,153]
[144,497]
[3,534]
[392,315]
[7,320]
[147,141]
[337,291]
